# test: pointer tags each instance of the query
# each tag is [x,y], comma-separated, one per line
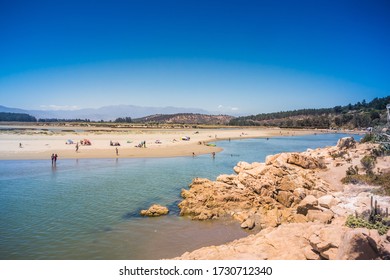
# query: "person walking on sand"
[20,145]
[116,150]
[77,147]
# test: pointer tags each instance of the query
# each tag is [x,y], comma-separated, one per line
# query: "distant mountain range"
[105,113]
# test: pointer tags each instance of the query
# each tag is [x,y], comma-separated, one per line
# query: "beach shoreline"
[30,142]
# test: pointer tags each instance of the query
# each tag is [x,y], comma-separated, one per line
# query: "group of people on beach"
[54,159]
[141,145]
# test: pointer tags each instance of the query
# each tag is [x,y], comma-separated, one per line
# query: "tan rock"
[310,254]
[319,216]
[330,254]
[286,242]
[271,159]
[249,223]
[242,165]
[325,238]
[308,203]
[346,143]
[227,179]
[299,218]
[327,201]
[303,161]
[155,210]
[357,244]
[285,198]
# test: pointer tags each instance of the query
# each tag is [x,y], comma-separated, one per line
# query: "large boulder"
[155,210]
[363,244]
[346,143]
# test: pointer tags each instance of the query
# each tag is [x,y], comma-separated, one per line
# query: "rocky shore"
[295,205]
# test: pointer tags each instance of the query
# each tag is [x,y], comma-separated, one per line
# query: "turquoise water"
[88,208]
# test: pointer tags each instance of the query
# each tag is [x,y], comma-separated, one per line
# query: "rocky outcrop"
[261,195]
[155,210]
[306,162]
[346,143]
[297,205]
[300,241]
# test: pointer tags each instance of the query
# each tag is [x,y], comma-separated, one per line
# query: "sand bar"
[39,143]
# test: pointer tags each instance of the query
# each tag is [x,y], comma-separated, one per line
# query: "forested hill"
[16,117]
[359,115]
[186,118]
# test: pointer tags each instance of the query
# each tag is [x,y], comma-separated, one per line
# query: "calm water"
[87,208]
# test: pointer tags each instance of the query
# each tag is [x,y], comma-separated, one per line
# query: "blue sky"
[236,57]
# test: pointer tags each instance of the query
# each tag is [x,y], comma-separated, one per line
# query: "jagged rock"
[227,179]
[256,186]
[308,203]
[300,193]
[326,238]
[346,143]
[249,223]
[155,210]
[303,161]
[270,159]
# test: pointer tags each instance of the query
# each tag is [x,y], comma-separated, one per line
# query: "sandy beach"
[37,142]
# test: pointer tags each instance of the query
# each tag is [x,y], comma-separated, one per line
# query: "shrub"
[352,170]
[368,137]
[358,222]
[368,162]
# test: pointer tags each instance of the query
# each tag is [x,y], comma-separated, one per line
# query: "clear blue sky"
[239,57]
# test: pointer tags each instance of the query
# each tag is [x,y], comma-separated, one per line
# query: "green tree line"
[361,114]
[16,117]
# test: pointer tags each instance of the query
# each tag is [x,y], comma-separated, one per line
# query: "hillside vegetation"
[16,117]
[187,118]
[359,115]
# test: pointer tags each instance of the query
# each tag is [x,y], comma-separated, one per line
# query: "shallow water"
[88,208]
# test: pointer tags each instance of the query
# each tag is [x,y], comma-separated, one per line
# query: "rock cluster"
[155,210]
[296,202]
[284,189]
